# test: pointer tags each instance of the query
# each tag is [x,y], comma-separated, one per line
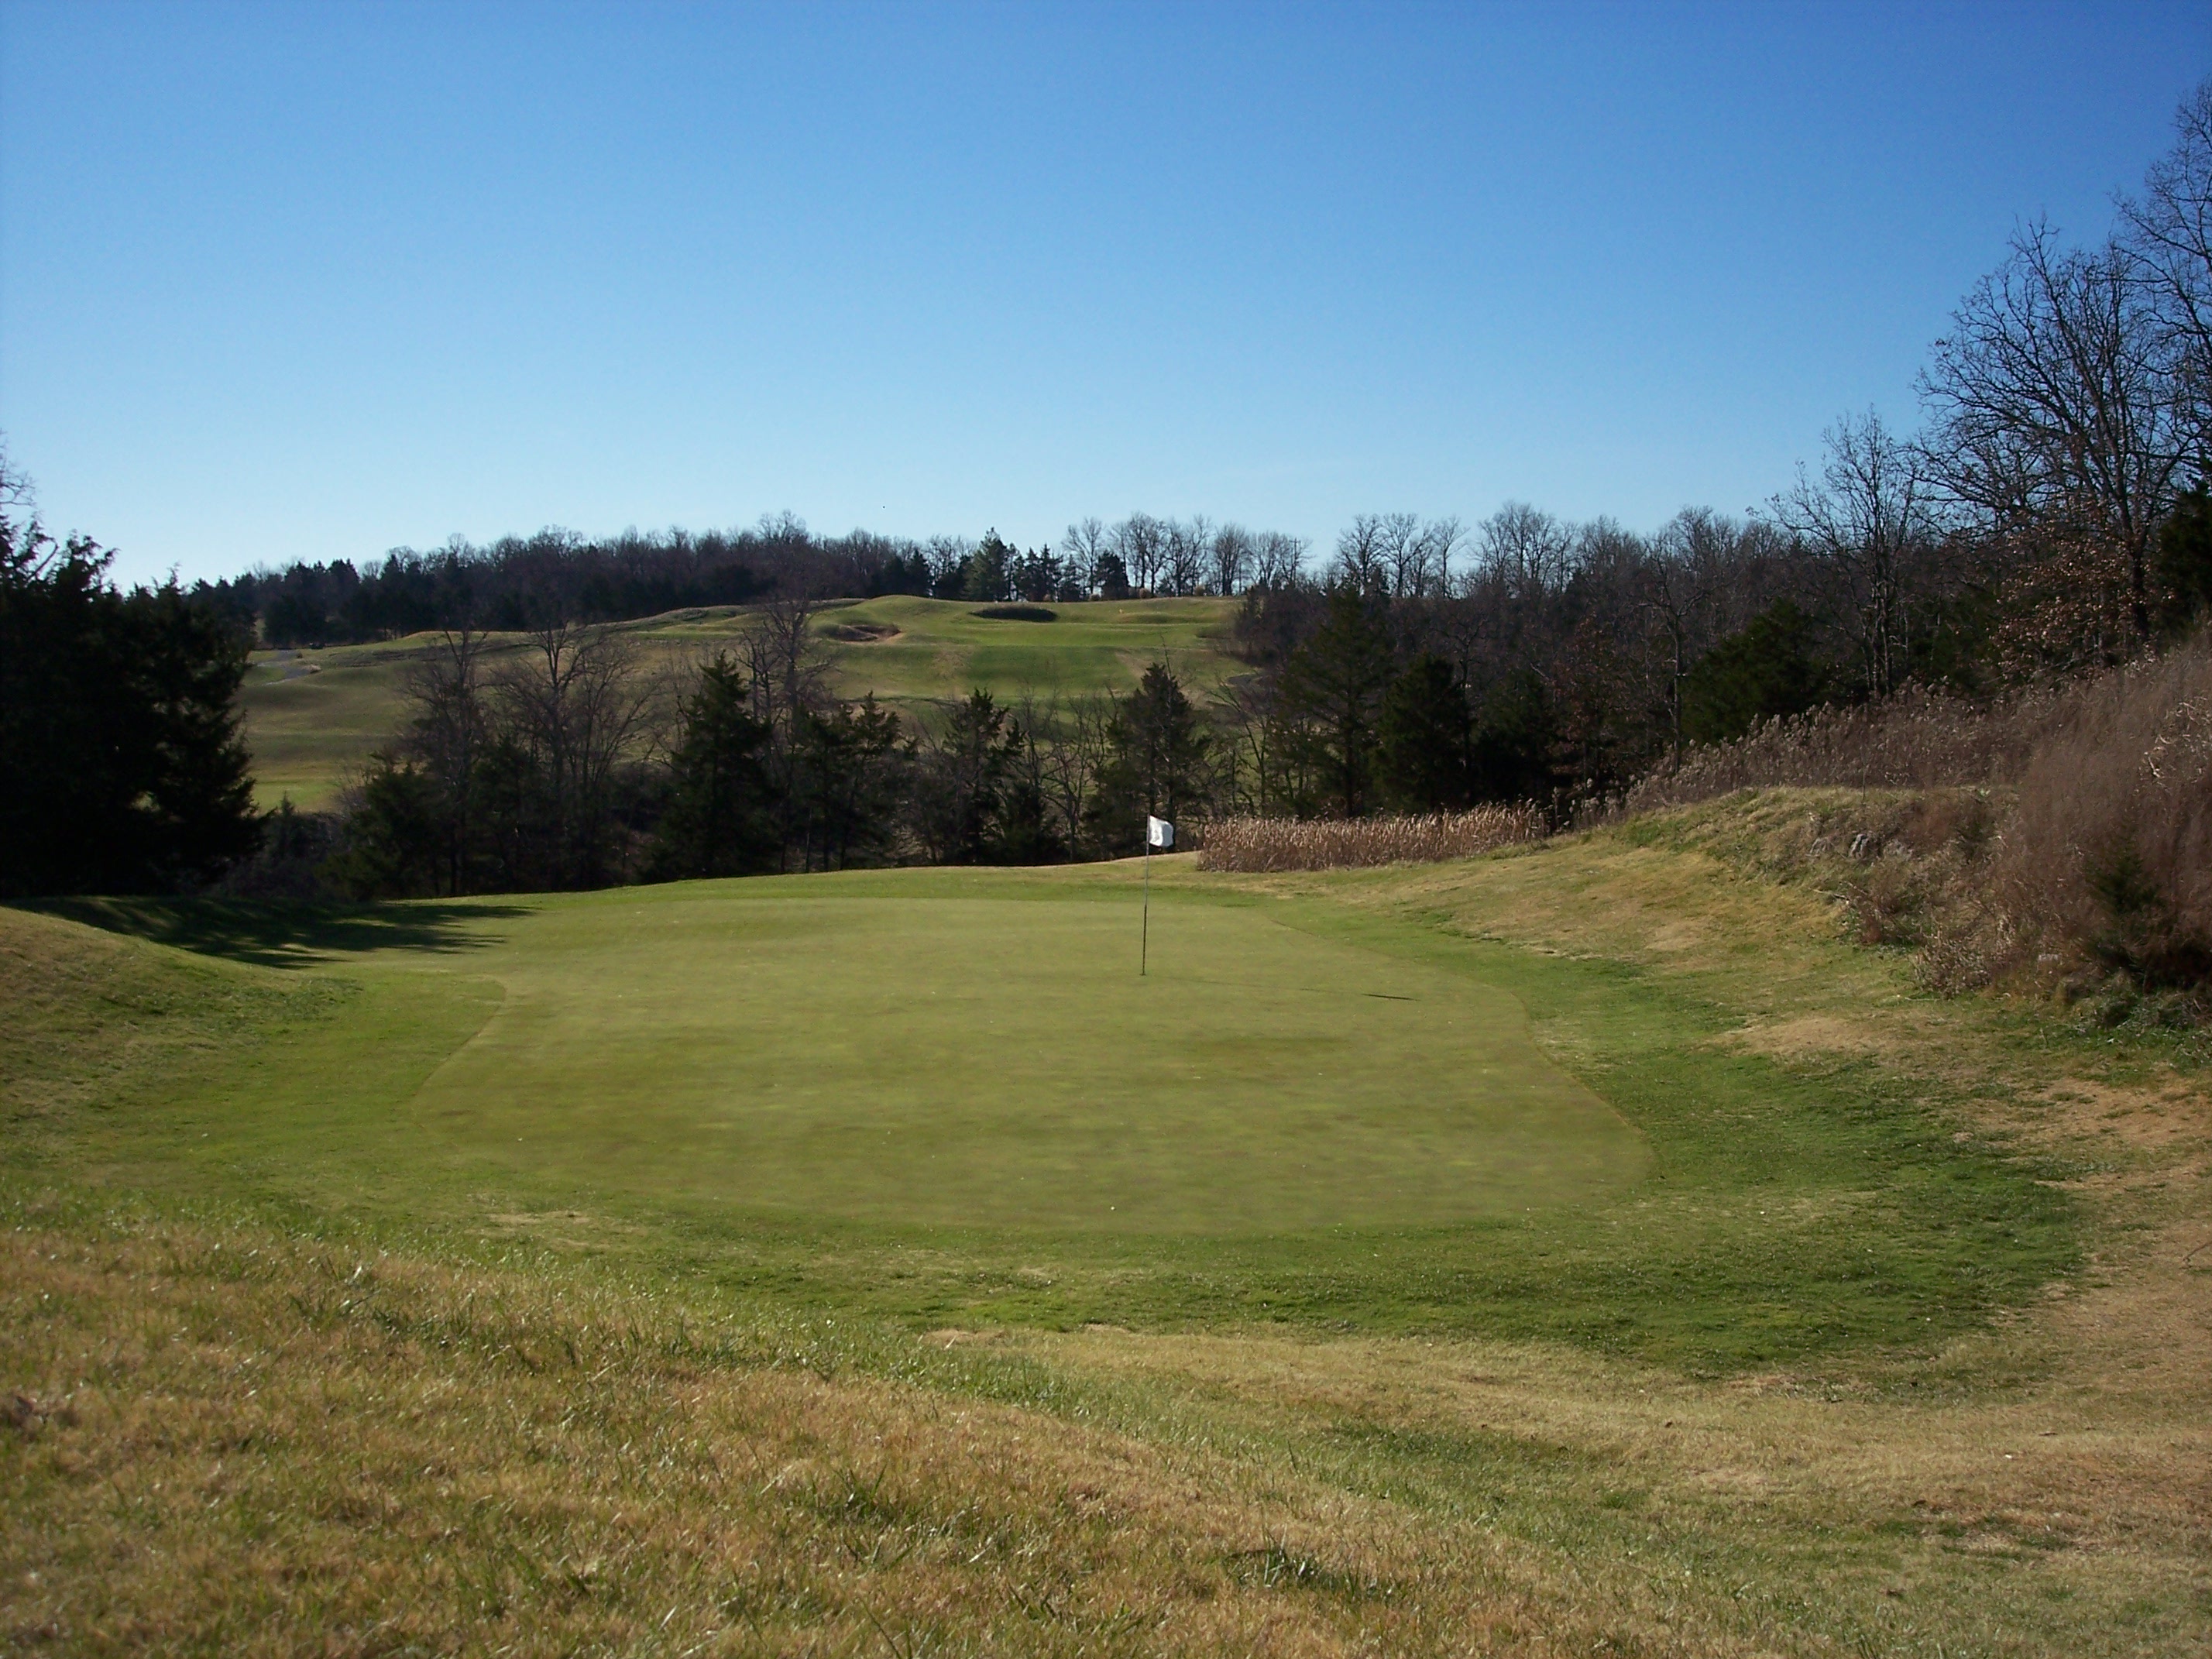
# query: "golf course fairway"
[1592,1213]
[948,1096]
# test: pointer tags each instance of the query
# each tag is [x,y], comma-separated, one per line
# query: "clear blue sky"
[316,281]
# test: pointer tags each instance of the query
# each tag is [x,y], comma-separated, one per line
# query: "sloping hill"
[314,716]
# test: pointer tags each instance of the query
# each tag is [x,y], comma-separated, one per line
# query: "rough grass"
[228,1441]
[1340,843]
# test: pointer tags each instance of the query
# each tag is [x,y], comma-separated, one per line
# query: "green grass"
[582,1263]
[313,717]
[945,1096]
[943,648]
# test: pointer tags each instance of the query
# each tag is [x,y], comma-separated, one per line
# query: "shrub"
[2101,862]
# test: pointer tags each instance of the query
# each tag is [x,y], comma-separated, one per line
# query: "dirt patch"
[1804,1038]
[2155,1117]
[858,633]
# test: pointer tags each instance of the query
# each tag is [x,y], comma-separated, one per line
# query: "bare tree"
[1278,560]
[572,699]
[1871,520]
[1702,577]
[787,668]
[2170,230]
[1259,764]
[1363,556]
[2058,403]
[1141,540]
[1231,555]
[1188,553]
[448,730]
[1063,746]
[1419,554]
[947,555]
[1084,546]
[1527,552]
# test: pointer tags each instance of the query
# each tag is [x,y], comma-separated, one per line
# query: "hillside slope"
[313,716]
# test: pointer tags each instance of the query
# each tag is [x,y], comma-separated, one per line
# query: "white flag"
[1158,832]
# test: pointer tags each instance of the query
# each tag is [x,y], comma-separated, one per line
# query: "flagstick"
[1145,936]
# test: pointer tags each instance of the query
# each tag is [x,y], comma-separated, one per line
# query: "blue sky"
[316,281]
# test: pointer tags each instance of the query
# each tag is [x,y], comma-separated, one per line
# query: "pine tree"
[1423,738]
[717,822]
[1156,765]
[122,768]
[1333,685]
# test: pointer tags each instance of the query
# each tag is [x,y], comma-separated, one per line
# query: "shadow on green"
[281,935]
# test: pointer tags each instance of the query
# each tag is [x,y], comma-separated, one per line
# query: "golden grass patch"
[231,1442]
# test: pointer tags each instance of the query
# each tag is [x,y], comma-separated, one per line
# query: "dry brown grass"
[1261,844]
[223,1441]
[2109,847]
[2096,801]
[1918,740]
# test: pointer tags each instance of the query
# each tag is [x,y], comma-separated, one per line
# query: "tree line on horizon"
[517,582]
[2049,518]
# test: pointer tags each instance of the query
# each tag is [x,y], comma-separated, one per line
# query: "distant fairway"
[997,1062]
[311,717]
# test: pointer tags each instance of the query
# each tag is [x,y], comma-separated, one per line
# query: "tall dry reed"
[1917,740]
[2110,845]
[1321,844]
[2105,853]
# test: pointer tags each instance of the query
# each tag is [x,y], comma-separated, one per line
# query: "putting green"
[949,1050]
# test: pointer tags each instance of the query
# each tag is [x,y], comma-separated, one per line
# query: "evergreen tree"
[395,838]
[1768,670]
[1334,686]
[1424,738]
[122,768]
[2184,558]
[961,792]
[717,821]
[1510,758]
[851,767]
[990,570]
[1156,755]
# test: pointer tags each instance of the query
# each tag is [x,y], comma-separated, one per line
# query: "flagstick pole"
[1145,936]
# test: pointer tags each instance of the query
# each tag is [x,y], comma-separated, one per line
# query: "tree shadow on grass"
[277,934]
